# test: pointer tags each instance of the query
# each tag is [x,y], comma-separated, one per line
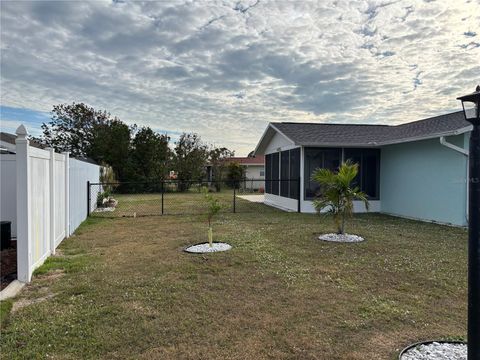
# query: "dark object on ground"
[8,265]
[6,234]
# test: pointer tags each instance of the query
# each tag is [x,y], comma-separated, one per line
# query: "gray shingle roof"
[10,138]
[371,135]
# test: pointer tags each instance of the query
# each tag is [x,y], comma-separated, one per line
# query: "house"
[416,170]
[254,171]
[7,143]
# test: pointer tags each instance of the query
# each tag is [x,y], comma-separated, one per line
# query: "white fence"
[48,191]
[80,173]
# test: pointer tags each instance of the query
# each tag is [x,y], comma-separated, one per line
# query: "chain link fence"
[177,197]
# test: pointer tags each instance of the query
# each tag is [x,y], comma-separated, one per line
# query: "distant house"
[415,170]
[254,170]
[7,143]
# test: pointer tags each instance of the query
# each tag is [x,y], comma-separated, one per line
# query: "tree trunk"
[210,236]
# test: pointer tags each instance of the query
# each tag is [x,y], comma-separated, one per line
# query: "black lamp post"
[471,110]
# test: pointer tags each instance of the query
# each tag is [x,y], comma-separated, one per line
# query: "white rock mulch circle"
[435,351]
[348,238]
[206,248]
[104,209]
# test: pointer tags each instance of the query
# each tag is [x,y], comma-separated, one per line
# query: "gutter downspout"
[444,142]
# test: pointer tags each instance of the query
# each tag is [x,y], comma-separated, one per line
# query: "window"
[368,161]
[327,158]
[294,173]
[268,176]
[262,173]
[284,173]
[275,173]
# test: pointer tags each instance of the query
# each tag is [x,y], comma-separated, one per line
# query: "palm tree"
[338,193]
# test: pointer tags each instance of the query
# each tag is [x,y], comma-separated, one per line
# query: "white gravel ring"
[348,238]
[206,248]
[436,351]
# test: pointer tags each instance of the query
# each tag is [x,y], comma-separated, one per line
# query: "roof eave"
[265,132]
[393,142]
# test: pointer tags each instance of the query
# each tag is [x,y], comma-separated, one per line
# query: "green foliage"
[151,154]
[213,205]
[85,132]
[216,160]
[136,155]
[68,264]
[190,160]
[338,193]
[235,173]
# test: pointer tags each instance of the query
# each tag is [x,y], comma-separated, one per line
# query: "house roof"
[258,160]
[10,139]
[364,135]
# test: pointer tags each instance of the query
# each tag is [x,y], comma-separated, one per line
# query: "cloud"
[225,69]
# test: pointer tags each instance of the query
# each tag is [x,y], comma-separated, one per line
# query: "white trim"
[281,202]
[67,193]
[270,126]
[53,239]
[24,255]
[445,143]
[281,133]
[358,206]
[423,220]
[302,176]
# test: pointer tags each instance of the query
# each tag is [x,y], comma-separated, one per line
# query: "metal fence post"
[234,195]
[88,198]
[299,196]
[163,191]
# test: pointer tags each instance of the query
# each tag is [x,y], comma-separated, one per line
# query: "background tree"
[337,193]
[189,160]
[216,160]
[111,144]
[72,128]
[235,174]
[151,154]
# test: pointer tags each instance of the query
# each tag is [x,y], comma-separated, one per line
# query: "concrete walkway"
[253,198]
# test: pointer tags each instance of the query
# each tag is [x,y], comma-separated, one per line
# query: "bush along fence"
[178,197]
[43,203]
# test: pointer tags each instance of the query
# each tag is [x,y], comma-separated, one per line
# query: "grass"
[174,203]
[127,291]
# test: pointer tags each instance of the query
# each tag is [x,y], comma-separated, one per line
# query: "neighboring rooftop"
[258,160]
[10,139]
[324,134]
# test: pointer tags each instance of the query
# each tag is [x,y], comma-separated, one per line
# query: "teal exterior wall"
[425,180]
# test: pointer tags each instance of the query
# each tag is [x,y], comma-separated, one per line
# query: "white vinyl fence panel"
[8,194]
[80,173]
[44,194]
[39,206]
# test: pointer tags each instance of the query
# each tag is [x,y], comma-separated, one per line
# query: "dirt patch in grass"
[24,302]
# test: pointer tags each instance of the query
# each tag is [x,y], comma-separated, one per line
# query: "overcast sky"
[225,69]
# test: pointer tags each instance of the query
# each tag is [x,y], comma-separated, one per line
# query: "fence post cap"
[21,132]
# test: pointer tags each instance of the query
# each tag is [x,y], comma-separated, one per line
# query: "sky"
[225,69]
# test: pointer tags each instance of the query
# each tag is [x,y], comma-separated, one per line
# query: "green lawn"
[178,203]
[123,289]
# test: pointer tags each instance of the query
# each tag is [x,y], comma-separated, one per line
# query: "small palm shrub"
[338,193]
[213,208]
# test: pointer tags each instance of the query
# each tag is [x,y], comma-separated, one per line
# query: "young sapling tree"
[213,208]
